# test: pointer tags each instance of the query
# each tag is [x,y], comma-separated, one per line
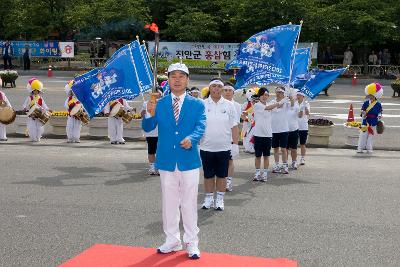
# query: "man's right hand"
[151,107]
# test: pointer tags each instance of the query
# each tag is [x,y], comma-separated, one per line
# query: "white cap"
[178,66]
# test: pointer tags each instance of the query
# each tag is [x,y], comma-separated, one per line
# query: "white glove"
[234,150]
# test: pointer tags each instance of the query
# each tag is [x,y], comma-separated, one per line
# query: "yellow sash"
[364,127]
[371,106]
[73,100]
[34,100]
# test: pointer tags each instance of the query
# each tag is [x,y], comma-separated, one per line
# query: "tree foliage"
[356,22]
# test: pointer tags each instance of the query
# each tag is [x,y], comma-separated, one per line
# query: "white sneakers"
[277,168]
[260,176]
[264,177]
[257,176]
[192,249]
[229,184]
[302,161]
[208,203]
[168,248]
[219,203]
[293,166]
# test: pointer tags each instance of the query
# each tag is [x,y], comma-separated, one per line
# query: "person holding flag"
[262,133]
[293,123]
[181,122]
[280,129]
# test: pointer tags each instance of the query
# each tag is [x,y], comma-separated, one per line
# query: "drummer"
[3,133]
[35,100]
[74,125]
[115,124]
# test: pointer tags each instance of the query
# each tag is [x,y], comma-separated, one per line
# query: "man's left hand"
[186,143]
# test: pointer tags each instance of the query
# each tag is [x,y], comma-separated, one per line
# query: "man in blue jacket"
[181,122]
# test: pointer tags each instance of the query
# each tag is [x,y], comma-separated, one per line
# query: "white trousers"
[73,128]
[115,129]
[35,129]
[3,132]
[180,190]
[366,140]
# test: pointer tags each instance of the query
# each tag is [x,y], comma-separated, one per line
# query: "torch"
[154,28]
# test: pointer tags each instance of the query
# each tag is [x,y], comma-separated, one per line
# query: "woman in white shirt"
[262,134]
[219,144]
[280,130]
[304,112]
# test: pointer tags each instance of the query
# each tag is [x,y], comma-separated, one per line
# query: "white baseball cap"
[178,66]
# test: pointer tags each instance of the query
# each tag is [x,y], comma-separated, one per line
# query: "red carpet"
[102,255]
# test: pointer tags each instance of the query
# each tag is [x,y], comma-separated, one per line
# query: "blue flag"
[267,56]
[124,75]
[319,81]
[301,62]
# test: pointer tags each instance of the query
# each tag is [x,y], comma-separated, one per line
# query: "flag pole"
[294,55]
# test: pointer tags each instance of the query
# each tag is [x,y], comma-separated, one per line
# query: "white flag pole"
[294,54]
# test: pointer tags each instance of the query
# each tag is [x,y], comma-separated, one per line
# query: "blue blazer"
[191,124]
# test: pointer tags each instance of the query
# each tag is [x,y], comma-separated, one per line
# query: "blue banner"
[319,81]
[267,56]
[37,48]
[123,75]
[301,62]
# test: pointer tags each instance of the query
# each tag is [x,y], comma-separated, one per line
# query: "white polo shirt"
[303,121]
[279,118]
[263,119]
[221,118]
[238,109]
[293,117]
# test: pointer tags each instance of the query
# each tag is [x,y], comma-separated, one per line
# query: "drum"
[75,109]
[37,112]
[127,117]
[380,127]
[116,109]
[7,115]
[79,113]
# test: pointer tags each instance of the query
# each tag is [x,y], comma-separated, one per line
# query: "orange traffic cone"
[50,72]
[354,80]
[350,117]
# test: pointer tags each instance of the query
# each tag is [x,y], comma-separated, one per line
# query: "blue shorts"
[293,139]
[215,163]
[303,136]
[280,139]
[262,146]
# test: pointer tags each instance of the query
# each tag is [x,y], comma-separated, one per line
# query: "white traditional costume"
[35,126]
[74,125]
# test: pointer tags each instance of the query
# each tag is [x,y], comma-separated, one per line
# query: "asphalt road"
[57,199]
